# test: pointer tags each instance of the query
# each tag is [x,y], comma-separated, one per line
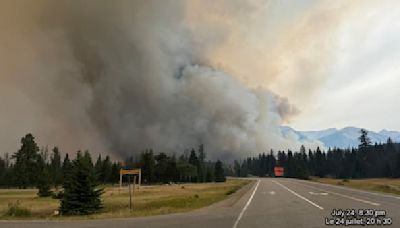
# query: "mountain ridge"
[346,137]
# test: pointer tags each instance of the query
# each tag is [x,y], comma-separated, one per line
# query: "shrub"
[58,195]
[14,209]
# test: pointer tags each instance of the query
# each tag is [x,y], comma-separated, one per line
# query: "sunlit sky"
[336,61]
[362,86]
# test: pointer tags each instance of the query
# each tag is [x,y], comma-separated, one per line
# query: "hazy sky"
[336,61]
[363,74]
[173,74]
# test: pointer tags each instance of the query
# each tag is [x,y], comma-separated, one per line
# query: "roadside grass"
[149,200]
[385,185]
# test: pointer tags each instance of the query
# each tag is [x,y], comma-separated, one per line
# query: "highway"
[268,202]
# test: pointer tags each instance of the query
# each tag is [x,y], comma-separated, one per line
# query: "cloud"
[118,78]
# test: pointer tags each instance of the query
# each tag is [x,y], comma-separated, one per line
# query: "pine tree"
[201,166]
[3,170]
[98,169]
[365,141]
[106,170]
[161,167]
[319,163]
[397,167]
[194,161]
[26,164]
[219,172]
[43,184]
[81,195]
[147,164]
[55,167]
[114,176]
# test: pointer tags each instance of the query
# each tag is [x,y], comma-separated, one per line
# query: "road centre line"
[301,197]
[342,195]
[245,206]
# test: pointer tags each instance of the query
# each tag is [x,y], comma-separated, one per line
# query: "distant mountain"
[341,138]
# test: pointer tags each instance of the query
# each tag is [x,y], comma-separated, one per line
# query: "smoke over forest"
[121,76]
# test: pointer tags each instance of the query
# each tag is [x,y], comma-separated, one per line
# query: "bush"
[58,195]
[14,209]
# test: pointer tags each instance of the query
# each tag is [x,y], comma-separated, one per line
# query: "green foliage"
[55,167]
[373,161]
[147,164]
[26,164]
[15,210]
[43,184]
[34,167]
[219,172]
[397,166]
[365,141]
[81,195]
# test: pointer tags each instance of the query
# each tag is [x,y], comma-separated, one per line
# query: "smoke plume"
[121,76]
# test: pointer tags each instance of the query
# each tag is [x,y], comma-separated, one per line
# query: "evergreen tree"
[172,169]
[194,161]
[106,170]
[319,163]
[290,167]
[115,169]
[387,171]
[3,170]
[26,164]
[201,169]
[147,164]
[210,172]
[98,169]
[161,168]
[237,168]
[219,172]
[397,167]
[66,167]
[43,183]
[365,141]
[81,194]
[55,167]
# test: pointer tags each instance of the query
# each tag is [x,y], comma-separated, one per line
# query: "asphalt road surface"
[269,202]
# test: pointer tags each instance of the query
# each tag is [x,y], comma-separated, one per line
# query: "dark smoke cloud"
[121,76]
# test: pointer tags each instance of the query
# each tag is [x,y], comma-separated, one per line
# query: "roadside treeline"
[366,161]
[188,167]
[31,166]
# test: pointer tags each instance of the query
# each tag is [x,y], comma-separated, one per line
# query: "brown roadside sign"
[130,171]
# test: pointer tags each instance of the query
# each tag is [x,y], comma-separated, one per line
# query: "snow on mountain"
[341,138]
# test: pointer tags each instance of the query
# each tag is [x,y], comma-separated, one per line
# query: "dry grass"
[149,200]
[385,185]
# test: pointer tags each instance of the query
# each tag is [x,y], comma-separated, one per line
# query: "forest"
[31,166]
[367,161]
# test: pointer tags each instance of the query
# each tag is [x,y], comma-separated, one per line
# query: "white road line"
[301,197]
[351,189]
[342,195]
[245,206]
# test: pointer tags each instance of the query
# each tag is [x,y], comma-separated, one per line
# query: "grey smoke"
[121,76]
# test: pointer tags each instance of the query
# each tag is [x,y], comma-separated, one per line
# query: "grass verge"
[384,185]
[149,200]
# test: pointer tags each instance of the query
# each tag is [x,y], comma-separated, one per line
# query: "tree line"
[77,182]
[366,161]
[31,166]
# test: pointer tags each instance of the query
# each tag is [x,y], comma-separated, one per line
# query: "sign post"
[130,172]
[130,194]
